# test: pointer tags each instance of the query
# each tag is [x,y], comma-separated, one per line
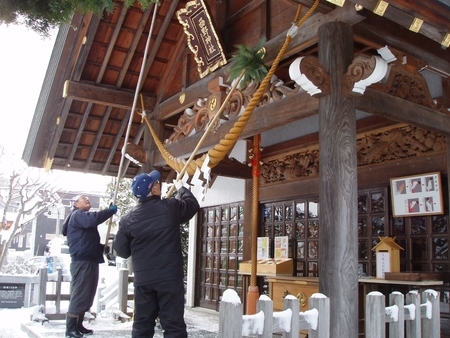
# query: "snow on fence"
[265,322]
[419,320]
[412,319]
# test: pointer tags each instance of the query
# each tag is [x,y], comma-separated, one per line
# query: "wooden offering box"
[301,287]
[269,266]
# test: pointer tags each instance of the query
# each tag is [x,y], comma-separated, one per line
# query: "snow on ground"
[14,323]
[10,322]
[201,323]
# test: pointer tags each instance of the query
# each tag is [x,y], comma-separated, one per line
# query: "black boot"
[80,326]
[71,326]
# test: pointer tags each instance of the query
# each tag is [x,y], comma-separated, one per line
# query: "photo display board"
[417,195]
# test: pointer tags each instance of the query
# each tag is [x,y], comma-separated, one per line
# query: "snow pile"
[231,296]
[20,266]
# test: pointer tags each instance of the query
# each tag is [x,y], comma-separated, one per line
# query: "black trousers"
[164,300]
[84,286]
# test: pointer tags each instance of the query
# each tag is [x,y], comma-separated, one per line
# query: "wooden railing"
[422,320]
[112,299]
[116,296]
[57,297]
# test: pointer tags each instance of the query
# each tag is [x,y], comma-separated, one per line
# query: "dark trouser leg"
[84,285]
[171,308]
[145,312]
[71,326]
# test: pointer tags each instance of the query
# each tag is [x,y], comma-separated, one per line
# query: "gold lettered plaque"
[202,37]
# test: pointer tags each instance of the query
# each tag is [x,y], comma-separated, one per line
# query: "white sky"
[24,57]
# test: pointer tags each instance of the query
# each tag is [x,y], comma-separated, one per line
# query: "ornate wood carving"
[307,72]
[363,71]
[316,73]
[196,118]
[410,86]
[375,148]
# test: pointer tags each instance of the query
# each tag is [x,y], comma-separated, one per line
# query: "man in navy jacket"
[150,234]
[86,253]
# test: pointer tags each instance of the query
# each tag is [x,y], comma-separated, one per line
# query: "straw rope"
[219,151]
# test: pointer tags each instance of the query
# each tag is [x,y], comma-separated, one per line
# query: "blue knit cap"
[143,183]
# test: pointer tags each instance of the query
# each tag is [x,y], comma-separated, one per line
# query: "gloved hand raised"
[113,207]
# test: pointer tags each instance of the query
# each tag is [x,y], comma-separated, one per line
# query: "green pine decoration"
[250,61]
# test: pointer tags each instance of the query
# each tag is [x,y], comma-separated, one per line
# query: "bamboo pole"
[130,120]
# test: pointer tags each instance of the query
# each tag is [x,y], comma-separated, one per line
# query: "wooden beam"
[325,7]
[437,16]
[159,39]
[112,42]
[400,110]
[232,168]
[132,49]
[306,36]
[404,19]
[103,96]
[290,109]
[376,28]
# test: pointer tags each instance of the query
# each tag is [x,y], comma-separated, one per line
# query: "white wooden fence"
[419,319]
[265,322]
[422,319]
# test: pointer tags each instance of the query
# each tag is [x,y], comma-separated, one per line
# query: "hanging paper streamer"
[201,179]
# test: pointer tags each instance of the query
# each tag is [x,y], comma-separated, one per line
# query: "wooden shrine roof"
[82,117]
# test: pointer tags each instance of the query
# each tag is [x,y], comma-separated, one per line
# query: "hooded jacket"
[150,234]
[83,238]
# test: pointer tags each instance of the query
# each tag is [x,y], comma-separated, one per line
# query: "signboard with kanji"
[202,37]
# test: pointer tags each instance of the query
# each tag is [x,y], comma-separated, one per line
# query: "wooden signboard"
[202,37]
[12,295]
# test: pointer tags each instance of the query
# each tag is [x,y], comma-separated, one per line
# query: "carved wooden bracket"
[364,71]
[135,153]
[309,74]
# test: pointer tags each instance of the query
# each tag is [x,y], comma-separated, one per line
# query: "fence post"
[321,303]
[42,287]
[397,328]
[101,287]
[413,326]
[123,290]
[374,320]
[291,302]
[431,324]
[230,315]
[58,290]
[265,304]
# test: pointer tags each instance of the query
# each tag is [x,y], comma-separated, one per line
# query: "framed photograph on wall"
[417,195]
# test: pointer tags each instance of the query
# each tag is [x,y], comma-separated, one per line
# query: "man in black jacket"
[86,253]
[150,234]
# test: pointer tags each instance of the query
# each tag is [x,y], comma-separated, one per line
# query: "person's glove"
[178,184]
[113,207]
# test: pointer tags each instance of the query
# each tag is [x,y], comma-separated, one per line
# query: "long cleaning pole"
[130,121]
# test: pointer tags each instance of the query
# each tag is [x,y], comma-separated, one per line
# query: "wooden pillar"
[338,184]
[447,138]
